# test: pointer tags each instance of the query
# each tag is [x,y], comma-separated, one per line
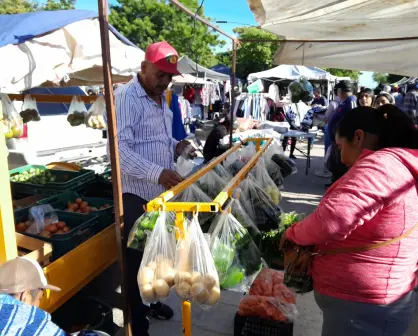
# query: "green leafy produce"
[234,276]
[223,256]
[34,176]
[145,223]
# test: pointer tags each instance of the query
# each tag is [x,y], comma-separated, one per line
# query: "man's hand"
[168,179]
[181,147]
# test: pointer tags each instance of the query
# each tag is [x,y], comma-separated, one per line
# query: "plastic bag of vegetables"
[211,184]
[287,166]
[259,206]
[273,169]
[12,121]
[156,273]
[223,172]
[143,227]
[196,279]
[236,257]
[238,211]
[77,112]
[194,194]
[264,180]
[41,216]
[300,90]
[248,152]
[184,164]
[29,109]
[95,115]
[268,308]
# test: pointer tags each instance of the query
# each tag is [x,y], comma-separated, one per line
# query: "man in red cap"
[147,152]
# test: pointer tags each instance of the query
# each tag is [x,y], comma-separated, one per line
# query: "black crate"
[255,326]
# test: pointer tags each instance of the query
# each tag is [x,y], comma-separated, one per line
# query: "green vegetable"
[233,277]
[249,257]
[223,256]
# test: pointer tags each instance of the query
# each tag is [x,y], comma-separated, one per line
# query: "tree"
[52,5]
[17,6]
[344,73]
[24,6]
[380,78]
[147,21]
[251,57]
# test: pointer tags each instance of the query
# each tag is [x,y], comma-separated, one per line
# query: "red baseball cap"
[164,56]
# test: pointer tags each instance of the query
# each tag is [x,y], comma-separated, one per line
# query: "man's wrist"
[154,173]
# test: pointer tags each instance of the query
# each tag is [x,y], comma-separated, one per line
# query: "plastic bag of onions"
[156,274]
[196,279]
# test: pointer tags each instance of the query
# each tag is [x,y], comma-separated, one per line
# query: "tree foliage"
[344,73]
[384,78]
[147,21]
[25,6]
[251,57]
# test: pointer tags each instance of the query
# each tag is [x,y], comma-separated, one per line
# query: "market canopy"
[369,35]
[188,66]
[188,79]
[291,72]
[60,48]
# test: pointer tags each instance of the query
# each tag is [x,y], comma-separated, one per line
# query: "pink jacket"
[376,200]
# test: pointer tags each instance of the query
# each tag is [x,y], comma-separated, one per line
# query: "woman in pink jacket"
[372,292]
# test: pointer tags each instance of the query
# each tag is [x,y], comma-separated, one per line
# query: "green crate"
[106,177]
[81,229]
[65,180]
[104,217]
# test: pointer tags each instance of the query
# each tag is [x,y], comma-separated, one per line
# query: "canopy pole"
[231,113]
[114,153]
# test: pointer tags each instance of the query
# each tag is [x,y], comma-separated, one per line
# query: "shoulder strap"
[371,246]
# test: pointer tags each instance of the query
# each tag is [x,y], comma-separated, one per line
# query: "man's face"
[316,94]
[154,80]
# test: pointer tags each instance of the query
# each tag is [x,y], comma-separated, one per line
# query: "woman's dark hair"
[363,91]
[393,127]
[388,96]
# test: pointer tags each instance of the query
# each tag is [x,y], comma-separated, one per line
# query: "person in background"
[383,98]
[410,101]
[371,292]
[387,89]
[147,151]
[399,95]
[22,285]
[348,102]
[102,91]
[189,94]
[365,97]
[318,98]
[213,147]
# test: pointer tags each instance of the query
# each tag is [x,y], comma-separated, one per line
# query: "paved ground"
[302,194]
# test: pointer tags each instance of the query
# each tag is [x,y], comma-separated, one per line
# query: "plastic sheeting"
[349,20]
[291,72]
[71,54]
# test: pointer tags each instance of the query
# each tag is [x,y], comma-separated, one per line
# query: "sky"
[236,12]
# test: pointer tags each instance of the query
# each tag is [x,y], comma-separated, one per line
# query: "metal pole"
[114,153]
[332,41]
[234,63]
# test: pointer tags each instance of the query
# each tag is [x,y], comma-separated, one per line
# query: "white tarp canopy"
[188,66]
[188,79]
[323,24]
[292,72]
[72,54]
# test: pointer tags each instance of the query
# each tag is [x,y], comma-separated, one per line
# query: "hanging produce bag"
[237,210]
[156,273]
[248,152]
[267,308]
[236,257]
[262,210]
[273,168]
[300,90]
[77,113]
[194,194]
[196,279]
[29,110]
[95,115]
[143,227]
[12,121]
[185,164]
[211,184]
[223,172]
[264,180]
[287,166]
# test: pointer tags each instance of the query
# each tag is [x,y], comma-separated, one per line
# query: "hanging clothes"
[179,133]
[189,94]
[274,93]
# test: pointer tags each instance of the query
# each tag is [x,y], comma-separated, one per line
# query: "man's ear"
[358,137]
[143,66]
[25,296]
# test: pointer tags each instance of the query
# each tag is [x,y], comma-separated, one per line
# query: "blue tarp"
[56,108]
[19,28]
[222,69]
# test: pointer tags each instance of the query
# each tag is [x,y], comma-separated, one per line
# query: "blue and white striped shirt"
[146,145]
[20,319]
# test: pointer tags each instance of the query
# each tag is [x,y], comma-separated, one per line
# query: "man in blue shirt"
[319,99]
[348,102]
[22,284]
